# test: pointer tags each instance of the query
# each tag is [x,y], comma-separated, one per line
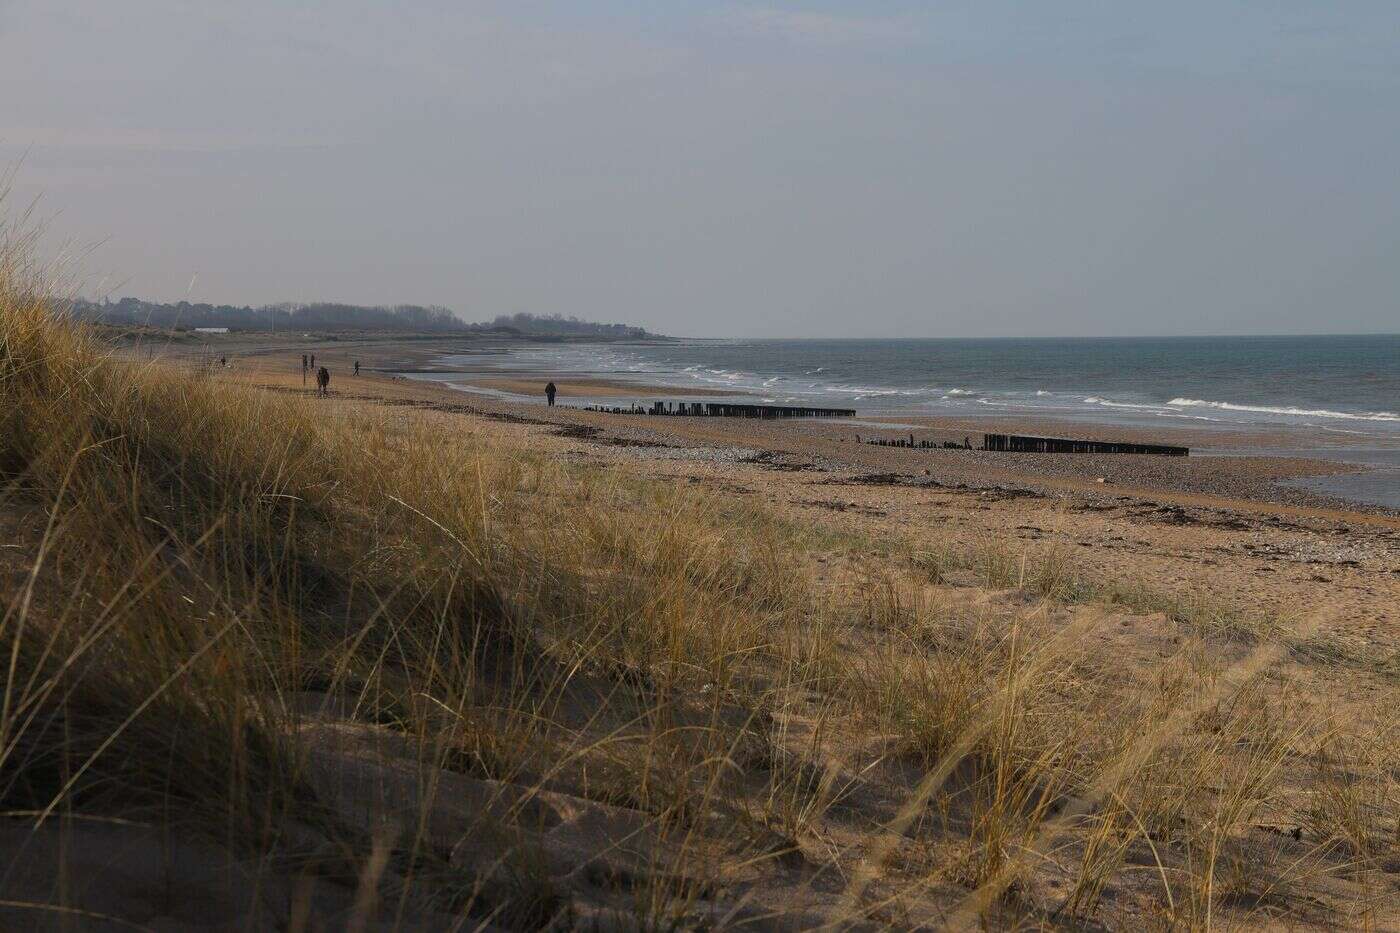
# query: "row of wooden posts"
[724,410]
[916,445]
[1022,443]
[1017,443]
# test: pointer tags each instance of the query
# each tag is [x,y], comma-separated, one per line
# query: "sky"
[873,169]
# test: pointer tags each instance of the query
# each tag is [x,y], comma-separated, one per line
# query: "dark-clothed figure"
[323,379]
[313,361]
[357,367]
[549,391]
[303,370]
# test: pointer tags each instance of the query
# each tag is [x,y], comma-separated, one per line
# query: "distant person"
[549,392]
[303,370]
[357,367]
[313,361]
[323,379]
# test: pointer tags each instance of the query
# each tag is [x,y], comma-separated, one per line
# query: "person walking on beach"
[303,370]
[313,361]
[549,391]
[323,379]
[357,367]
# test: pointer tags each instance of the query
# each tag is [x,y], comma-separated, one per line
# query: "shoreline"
[526,383]
[1336,478]
[1233,441]
[1247,481]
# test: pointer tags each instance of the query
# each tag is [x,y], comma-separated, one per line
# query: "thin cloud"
[818,28]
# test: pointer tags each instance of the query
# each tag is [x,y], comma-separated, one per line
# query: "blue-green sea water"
[1344,384]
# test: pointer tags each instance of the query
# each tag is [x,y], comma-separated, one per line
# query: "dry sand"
[1196,525]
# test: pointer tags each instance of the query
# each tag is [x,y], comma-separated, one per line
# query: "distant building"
[211,330]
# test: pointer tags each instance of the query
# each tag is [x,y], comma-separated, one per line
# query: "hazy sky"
[959,167]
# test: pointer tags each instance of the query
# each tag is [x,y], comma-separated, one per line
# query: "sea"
[1342,389]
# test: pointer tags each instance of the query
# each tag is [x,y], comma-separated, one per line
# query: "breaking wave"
[1095,400]
[1285,410]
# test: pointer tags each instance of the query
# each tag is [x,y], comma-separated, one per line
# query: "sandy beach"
[1123,589]
[482,375]
[1218,525]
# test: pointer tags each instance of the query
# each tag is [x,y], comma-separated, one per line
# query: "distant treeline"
[557,324]
[324,316]
[320,316]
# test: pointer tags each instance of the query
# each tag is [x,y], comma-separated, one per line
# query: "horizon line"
[1061,336]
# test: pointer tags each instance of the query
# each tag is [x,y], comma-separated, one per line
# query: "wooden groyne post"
[725,410]
[1023,443]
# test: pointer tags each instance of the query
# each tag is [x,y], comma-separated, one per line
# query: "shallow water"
[1379,485]
[1376,487]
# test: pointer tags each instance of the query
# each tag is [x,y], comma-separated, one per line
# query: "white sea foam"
[862,391]
[1286,410]
[1107,403]
[1328,427]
